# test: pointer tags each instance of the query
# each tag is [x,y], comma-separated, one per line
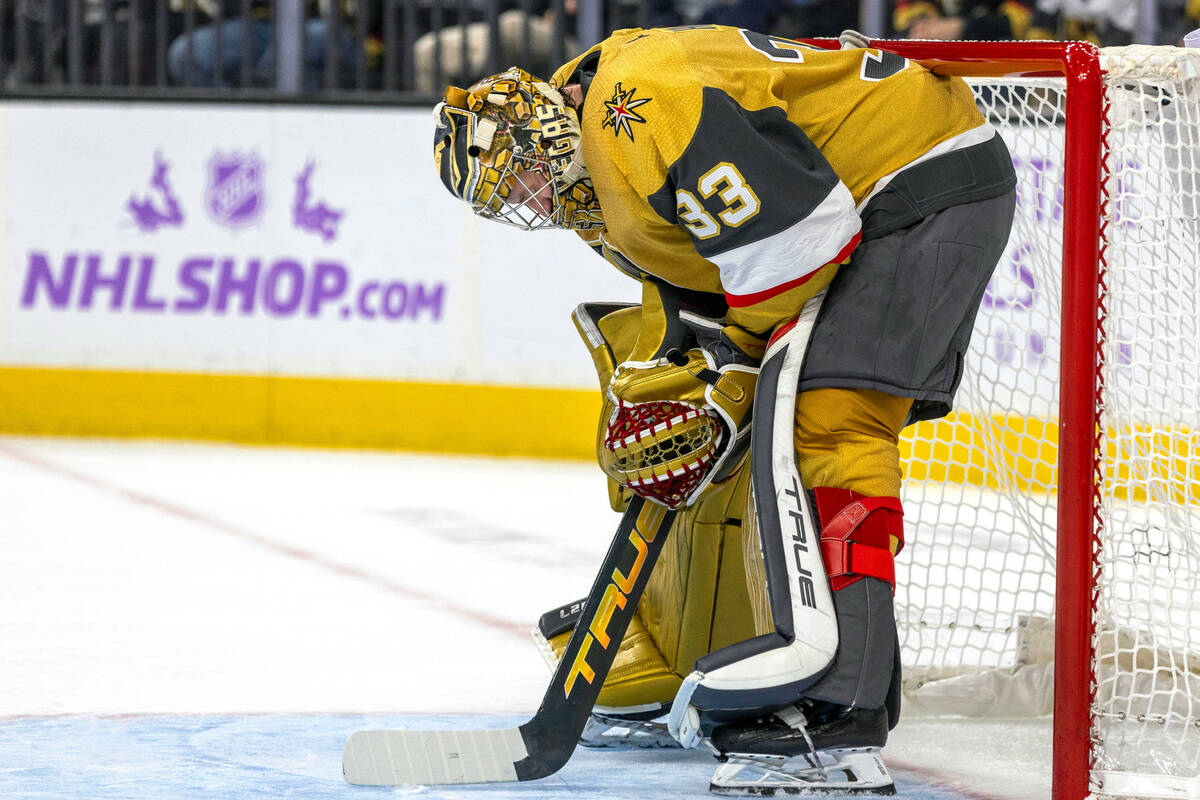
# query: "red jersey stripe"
[743,300]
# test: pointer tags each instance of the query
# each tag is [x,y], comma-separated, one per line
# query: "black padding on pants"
[898,317]
[963,176]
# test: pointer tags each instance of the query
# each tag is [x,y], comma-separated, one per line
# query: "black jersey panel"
[739,162]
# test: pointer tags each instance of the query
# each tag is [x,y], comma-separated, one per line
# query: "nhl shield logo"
[236,193]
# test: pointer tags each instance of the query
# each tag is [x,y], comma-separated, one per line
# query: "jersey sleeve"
[762,203]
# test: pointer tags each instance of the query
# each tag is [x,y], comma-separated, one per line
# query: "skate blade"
[603,733]
[849,771]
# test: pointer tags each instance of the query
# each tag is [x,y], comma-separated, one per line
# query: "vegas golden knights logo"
[621,114]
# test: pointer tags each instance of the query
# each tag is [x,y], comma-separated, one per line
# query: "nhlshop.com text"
[280,287]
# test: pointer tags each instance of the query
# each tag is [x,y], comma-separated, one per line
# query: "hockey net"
[977,599]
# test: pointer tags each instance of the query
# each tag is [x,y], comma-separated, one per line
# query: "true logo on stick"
[616,594]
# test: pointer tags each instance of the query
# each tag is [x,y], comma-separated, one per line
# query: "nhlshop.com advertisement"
[271,240]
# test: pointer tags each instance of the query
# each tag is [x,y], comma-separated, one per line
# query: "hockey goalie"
[813,231]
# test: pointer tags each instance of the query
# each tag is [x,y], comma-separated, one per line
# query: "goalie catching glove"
[681,422]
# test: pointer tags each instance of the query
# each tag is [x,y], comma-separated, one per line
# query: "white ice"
[186,620]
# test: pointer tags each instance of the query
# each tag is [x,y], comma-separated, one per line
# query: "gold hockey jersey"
[735,162]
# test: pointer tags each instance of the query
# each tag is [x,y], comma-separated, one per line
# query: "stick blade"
[424,758]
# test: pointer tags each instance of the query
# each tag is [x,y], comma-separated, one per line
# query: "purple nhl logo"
[312,215]
[159,208]
[236,194]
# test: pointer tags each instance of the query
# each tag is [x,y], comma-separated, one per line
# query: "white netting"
[979,508]
[976,588]
[1146,715]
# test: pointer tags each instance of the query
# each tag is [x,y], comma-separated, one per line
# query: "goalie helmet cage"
[1066,485]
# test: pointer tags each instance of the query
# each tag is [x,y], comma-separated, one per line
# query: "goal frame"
[1079,521]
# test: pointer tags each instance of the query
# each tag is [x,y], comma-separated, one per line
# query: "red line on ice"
[936,779]
[308,557]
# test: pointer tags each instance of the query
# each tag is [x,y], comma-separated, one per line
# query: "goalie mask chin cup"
[510,147]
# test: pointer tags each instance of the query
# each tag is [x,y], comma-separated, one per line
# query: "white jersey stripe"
[793,253]
[966,139]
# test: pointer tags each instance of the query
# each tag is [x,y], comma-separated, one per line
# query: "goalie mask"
[510,146]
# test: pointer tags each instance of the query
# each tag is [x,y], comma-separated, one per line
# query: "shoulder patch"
[621,114]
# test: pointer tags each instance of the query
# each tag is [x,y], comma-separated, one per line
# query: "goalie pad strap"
[871,521]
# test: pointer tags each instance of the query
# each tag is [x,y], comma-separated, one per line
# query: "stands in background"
[406,50]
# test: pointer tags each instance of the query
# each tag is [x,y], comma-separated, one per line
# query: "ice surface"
[203,757]
[204,621]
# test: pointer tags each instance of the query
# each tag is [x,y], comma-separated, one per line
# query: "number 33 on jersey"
[733,162]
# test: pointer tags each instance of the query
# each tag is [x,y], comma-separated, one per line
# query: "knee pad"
[859,535]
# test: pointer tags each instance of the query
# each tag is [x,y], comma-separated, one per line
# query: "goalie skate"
[836,754]
[620,731]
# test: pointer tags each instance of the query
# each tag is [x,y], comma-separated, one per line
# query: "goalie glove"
[680,422]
